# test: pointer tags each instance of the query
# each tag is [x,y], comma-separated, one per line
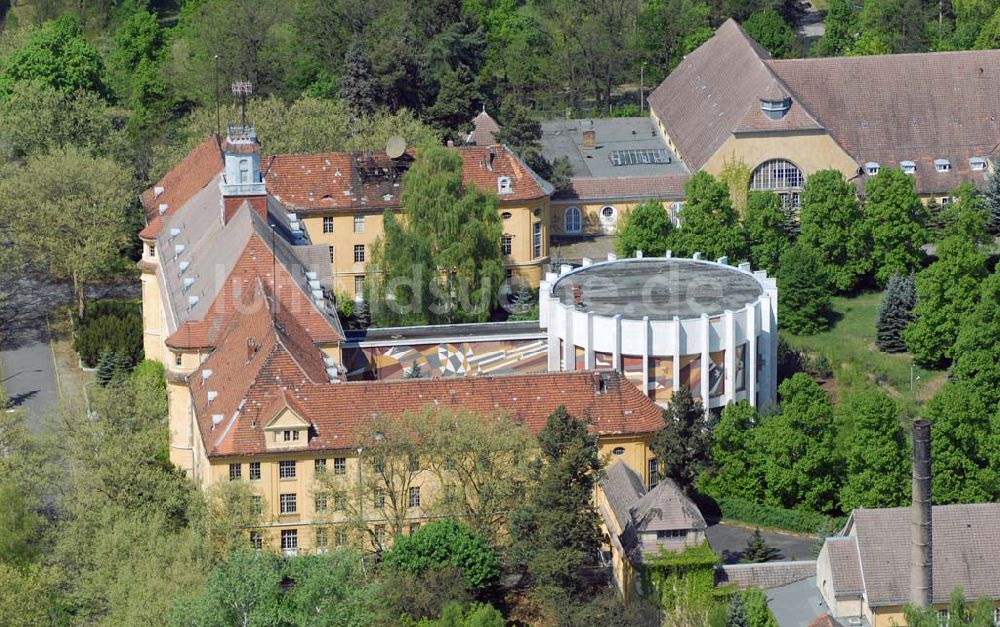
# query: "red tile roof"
[182,182]
[332,181]
[287,371]
[662,187]
[255,263]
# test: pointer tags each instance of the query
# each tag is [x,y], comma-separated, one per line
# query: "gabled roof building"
[934,115]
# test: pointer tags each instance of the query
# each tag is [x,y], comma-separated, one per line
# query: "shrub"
[755,608]
[446,543]
[686,578]
[111,326]
[747,512]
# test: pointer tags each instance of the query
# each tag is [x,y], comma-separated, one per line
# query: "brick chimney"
[921,580]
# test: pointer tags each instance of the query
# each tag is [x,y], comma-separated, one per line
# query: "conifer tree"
[737,616]
[105,367]
[556,532]
[895,313]
[757,549]
[357,87]
[802,291]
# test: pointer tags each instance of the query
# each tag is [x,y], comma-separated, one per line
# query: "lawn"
[856,363]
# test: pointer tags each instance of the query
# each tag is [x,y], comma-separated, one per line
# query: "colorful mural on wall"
[462,359]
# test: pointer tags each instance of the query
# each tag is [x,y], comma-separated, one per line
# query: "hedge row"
[747,512]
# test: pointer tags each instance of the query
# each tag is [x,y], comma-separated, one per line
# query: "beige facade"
[595,217]
[811,151]
[345,232]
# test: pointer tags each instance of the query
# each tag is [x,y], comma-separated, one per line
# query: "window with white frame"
[908,167]
[505,185]
[942,165]
[328,224]
[671,534]
[257,540]
[290,435]
[257,504]
[654,474]
[340,537]
[331,254]
[871,168]
[321,503]
[319,465]
[619,451]
[286,469]
[379,498]
[322,539]
[288,503]
[290,541]
[943,617]
[379,535]
[339,465]
[235,472]
[359,224]
[572,220]
[978,164]
[152,250]
[506,244]
[359,285]
[536,239]
[359,253]
[608,214]
[254,471]
[780,176]
[414,497]
[244,171]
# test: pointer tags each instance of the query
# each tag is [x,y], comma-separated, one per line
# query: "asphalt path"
[27,367]
[729,540]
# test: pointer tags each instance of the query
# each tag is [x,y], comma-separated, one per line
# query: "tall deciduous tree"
[244,590]
[682,446]
[556,533]
[895,219]
[772,32]
[709,223]
[765,223]
[833,225]
[840,29]
[895,313]
[69,212]
[966,216]
[946,291]
[737,471]
[877,464]
[448,246]
[803,291]
[57,55]
[647,228]
[977,348]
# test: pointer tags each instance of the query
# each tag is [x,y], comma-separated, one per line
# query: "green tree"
[518,128]
[69,213]
[647,228]
[709,223]
[682,446]
[946,291]
[877,467]
[135,64]
[331,590]
[357,86]
[736,472]
[765,225]
[757,549]
[840,29]
[772,32]
[20,525]
[736,616]
[758,613]
[446,543]
[895,313]
[966,216]
[991,195]
[803,292]
[897,26]
[895,219]
[24,596]
[457,96]
[57,55]
[977,359]
[449,245]
[989,35]
[663,26]
[833,225]
[555,532]
[244,589]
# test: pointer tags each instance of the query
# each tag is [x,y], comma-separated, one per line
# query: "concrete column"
[646,338]
[729,322]
[750,365]
[617,344]
[553,338]
[766,383]
[569,341]
[588,353]
[706,359]
[676,330]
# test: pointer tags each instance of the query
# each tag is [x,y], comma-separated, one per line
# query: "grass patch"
[857,363]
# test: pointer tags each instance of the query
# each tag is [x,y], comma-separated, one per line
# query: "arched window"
[781,177]
[573,221]
[608,214]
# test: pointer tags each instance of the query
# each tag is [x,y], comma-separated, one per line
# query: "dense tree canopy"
[895,219]
[766,226]
[877,463]
[833,225]
[647,228]
[803,290]
[709,222]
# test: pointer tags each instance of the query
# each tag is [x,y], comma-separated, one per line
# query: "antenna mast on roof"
[243,89]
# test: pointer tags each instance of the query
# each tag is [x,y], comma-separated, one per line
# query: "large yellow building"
[236,306]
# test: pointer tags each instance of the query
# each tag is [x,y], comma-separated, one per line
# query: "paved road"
[26,362]
[729,541]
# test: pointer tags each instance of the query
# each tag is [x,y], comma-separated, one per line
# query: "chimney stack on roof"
[921,592]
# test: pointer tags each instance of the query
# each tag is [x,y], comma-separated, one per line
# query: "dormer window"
[871,168]
[942,165]
[908,167]
[505,185]
[291,435]
[775,108]
[978,164]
